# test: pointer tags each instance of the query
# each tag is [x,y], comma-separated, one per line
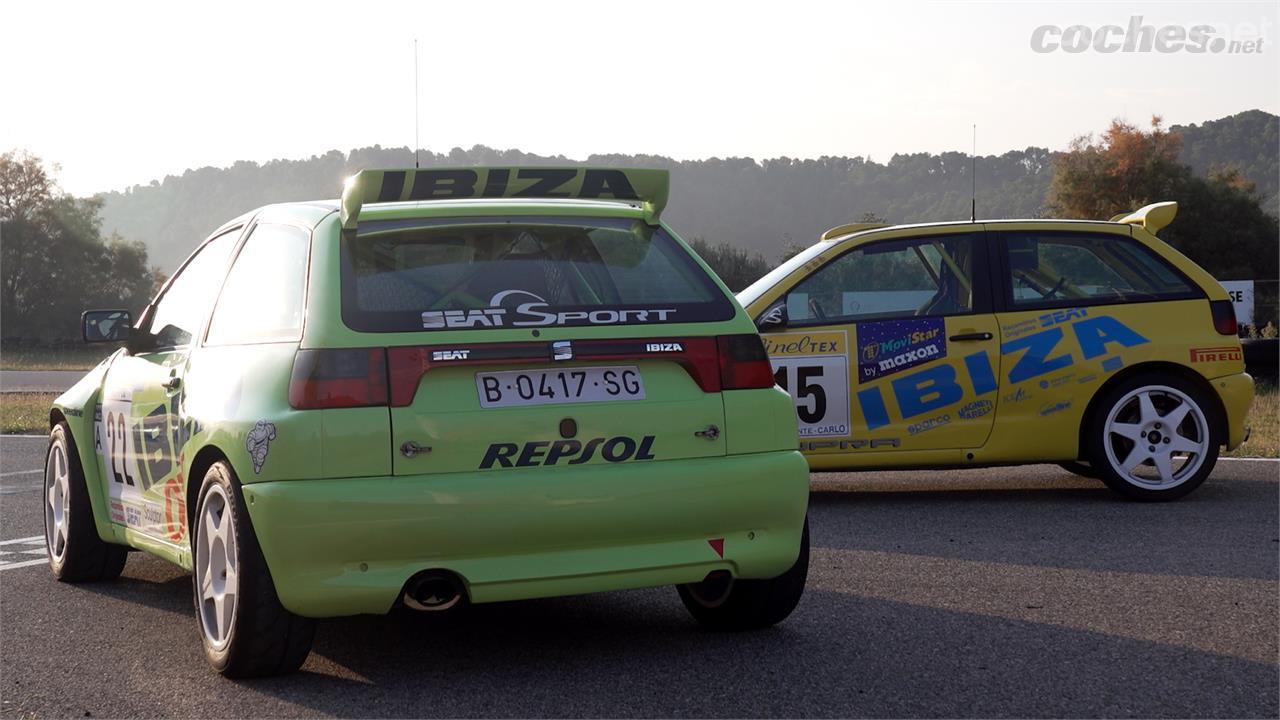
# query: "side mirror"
[775,318]
[99,326]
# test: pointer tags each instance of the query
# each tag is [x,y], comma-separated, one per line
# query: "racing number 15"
[804,390]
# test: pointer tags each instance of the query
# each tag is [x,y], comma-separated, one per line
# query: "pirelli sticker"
[814,368]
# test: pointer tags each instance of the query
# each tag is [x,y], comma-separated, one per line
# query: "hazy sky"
[123,93]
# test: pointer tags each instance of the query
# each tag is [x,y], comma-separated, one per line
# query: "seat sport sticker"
[891,346]
[533,314]
[814,368]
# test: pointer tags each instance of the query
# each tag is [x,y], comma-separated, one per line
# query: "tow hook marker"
[717,544]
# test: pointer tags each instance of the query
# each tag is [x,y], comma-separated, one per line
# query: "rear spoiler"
[648,188]
[1151,218]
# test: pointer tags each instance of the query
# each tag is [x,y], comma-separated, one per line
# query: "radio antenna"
[973,176]
[415,103]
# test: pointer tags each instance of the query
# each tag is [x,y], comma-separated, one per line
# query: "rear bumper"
[1236,392]
[347,546]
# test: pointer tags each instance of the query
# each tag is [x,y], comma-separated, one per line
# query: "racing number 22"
[118,447]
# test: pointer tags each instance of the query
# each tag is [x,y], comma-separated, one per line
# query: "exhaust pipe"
[433,591]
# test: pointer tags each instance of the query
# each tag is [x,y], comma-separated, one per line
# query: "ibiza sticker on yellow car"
[814,369]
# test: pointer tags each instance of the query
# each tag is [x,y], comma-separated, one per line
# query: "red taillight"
[338,379]
[744,365]
[407,364]
[1224,317]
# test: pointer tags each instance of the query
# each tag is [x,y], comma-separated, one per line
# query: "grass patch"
[1264,417]
[81,358]
[25,413]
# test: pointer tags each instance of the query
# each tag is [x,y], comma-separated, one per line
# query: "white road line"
[1250,459]
[33,538]
[18,552]
[25,563]
[19,472]
[28,437]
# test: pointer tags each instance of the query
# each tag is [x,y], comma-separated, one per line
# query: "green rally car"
[455,385]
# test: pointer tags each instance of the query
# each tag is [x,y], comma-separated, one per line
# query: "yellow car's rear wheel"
[1154,438]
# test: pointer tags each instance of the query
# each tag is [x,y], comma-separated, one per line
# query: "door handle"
[966,337]
[173,383]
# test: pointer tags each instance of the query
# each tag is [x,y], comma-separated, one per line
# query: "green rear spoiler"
[648,188]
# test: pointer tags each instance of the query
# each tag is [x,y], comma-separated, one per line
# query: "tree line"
[54,260]
[743,216]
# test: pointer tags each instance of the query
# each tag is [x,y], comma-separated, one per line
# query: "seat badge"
[562,350]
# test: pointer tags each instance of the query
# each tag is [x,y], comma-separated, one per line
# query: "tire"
[1083,469]
[76,553]
[245,630]
[1130,443]
[723,603]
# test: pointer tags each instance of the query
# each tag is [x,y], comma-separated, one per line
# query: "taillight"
[338,379]
[744,365]
[1224,317]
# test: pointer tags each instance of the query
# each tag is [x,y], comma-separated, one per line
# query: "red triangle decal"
[717,544]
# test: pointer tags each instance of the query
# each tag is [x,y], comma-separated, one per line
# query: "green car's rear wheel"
[76,553]
[722,603]
[245,630]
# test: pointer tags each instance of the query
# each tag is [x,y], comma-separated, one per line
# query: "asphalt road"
[38,380]
[1012,592]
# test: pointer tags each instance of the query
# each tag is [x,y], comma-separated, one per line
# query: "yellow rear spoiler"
[1151,218]
[645,187]
[849,229]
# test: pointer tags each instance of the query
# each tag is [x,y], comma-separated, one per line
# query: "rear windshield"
[486,273]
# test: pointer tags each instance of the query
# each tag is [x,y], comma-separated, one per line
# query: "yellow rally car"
[1091,344]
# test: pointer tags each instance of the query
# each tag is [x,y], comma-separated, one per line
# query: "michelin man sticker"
[259,442]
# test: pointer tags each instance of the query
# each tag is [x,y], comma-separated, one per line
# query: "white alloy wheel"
[1156,437]
[217,569]
[57,504]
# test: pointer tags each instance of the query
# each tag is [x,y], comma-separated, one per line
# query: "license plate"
[554,387]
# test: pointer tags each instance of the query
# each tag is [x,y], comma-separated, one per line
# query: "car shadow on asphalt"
[1225,529]
[864,642]
[840,654]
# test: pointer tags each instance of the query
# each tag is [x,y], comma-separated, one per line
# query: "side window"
[1054,269]
[262,300]
[182,309]
[928,276]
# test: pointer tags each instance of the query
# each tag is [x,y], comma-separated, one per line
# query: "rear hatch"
[546,342]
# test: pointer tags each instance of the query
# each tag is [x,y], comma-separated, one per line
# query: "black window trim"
[1003,297]
[982,295]
[143,326]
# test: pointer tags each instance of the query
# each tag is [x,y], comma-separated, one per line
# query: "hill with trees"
[56,261]
[760,206]
[1246,142]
